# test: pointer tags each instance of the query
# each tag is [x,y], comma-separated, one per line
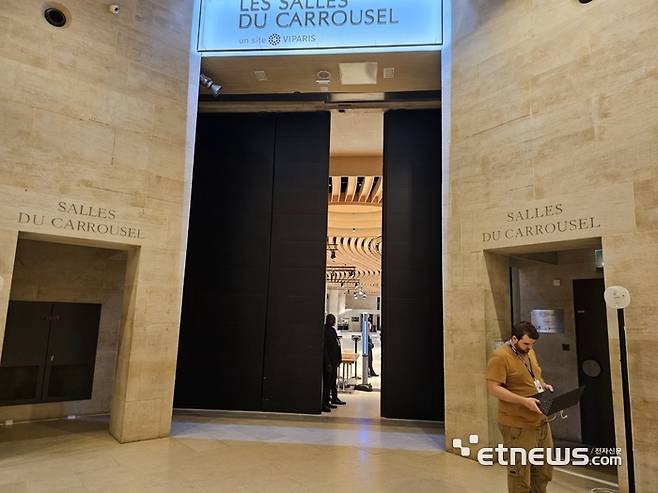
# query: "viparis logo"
[274,39]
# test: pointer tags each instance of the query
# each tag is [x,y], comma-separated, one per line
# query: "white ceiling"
[357,132]
[414,71]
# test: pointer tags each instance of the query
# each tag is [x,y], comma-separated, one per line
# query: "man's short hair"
[330,320]
[525,329]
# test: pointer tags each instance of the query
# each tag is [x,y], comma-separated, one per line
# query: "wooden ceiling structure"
[354,229]
[355,196]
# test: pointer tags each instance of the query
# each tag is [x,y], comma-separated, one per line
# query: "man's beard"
[520,349]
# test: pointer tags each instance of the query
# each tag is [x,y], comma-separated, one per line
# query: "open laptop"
[551,402]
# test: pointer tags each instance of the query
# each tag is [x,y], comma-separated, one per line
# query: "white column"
[341,303]
[333,302]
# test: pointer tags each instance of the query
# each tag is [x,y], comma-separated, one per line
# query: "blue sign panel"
[253,27]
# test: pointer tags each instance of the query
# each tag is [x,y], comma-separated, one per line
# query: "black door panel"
[49,352]
[596,411]
[412,315]
[72,351]
[251,327]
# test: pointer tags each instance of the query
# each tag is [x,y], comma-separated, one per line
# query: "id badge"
[539,386]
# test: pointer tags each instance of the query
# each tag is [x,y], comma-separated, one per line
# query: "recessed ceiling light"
[324,75]
[260,75]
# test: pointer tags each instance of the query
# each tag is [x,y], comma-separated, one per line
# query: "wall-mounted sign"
[256,27]
[583,215]
[73,217]
[548,321]
[536,222]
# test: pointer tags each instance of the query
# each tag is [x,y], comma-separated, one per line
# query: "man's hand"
[549,387]
[531,403]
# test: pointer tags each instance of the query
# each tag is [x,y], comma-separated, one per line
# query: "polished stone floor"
[348,450]
[240,452]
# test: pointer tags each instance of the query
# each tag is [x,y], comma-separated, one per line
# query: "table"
[347,360]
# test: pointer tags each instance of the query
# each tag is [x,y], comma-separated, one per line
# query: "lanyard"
[529,368]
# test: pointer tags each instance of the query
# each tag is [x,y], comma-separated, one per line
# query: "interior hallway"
[238,452]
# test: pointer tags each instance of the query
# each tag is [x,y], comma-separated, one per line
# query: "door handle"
[52,358]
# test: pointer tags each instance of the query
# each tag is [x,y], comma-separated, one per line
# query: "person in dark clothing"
[331,360]
[371,346]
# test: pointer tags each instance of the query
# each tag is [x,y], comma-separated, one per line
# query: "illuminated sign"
[256,27]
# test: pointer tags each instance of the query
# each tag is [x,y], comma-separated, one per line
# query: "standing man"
[332,358]
[514,376]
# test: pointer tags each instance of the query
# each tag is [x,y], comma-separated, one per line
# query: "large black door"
[49,352]
[292,379]
[220,355]
[596,412]
[412,316]
[251,327]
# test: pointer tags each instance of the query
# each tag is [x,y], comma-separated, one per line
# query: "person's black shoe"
[373,374]
[332,406]
[326,408]
[338,402]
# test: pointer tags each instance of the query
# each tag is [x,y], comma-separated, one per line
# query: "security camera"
[114,9]
[207,82]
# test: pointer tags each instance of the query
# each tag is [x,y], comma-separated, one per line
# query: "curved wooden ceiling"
[354,228]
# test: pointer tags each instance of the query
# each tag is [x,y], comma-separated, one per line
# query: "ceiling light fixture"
[332,248]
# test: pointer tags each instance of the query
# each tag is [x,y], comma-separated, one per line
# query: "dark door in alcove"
[49,352]
[596,411]
[24,352]
[412,314]
[71,351]
[253,302]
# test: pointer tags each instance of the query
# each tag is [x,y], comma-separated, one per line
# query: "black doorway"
[596,411]
[251,325]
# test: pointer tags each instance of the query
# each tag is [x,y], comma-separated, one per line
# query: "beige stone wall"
[551,103]
[73,274]
[96,138]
